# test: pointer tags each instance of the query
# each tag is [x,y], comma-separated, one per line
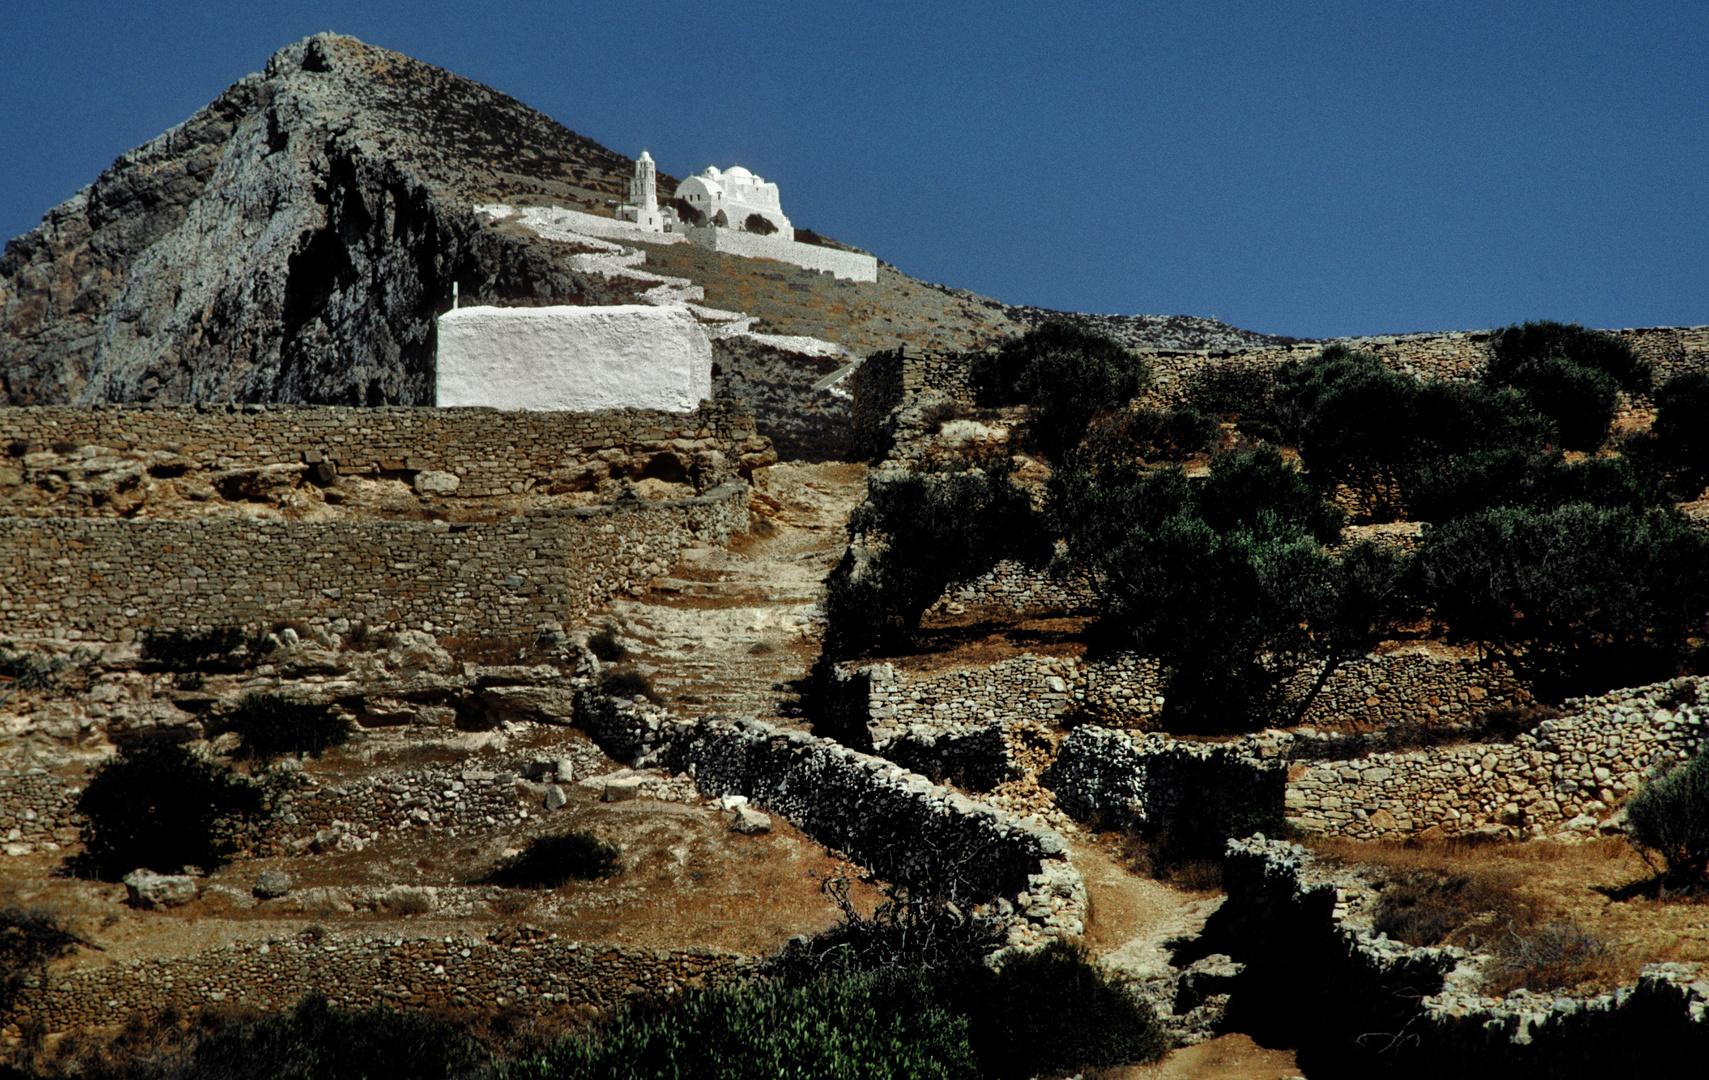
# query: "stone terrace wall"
[1372,1006]
[1124,691]
[1563,777]
[491,452]
[1449,355]
[36,811]
[94,579]
[1151,782]
[897,824]
[1568,773]
[525,970]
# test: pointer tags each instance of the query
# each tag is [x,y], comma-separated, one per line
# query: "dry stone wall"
[492,453]
[512,968]
[1125,690]
[1449,355]
[36,811]
[1566,776]
[102,580]
[897,824]
[1350,996]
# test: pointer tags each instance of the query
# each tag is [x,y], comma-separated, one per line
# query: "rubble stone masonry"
[103,580]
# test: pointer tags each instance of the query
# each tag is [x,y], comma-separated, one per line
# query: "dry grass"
[1554,915]
[1161,859]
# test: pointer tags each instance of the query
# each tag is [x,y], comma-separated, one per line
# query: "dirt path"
[734,626]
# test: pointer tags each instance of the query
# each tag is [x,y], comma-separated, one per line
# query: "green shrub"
[185,650]
[1219,580]
[555,860]
[759,223]
[272,725]
[996,377]
[1051,1012]
[158,805]
[1155,434]
[1579,401]
[1680,431]
[606,647]
[1577,599]
[1570,374]
[1669,820]
[921,533]
[1480,480]
[1595,350]
[1376,431]
[1039,1013]
[318,1040]
[1066,389]
[879,1025]
[626,685]
[30,938]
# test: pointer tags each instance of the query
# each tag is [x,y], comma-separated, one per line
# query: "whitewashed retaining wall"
[574,359]
[844,264]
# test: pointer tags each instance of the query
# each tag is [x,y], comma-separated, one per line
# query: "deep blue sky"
[1312,169]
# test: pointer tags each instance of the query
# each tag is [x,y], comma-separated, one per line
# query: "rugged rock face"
[292,241]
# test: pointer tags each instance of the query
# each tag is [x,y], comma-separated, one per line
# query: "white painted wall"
[844,264]
[573,359]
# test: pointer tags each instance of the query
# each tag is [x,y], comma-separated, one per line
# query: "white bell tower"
[643,205]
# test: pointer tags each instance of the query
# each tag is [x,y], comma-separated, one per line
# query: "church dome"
[738,173]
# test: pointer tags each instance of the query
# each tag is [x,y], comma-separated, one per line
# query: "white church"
[724,200]
[737,213]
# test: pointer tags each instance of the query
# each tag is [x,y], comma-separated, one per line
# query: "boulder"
[226,743]
[435,482]
[272,884]
[555,797]
[621,789]
[148,889]
[748,821]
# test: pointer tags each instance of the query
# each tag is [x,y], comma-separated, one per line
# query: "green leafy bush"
[555,860]
[759,223]
[1595,350]
[1577,599]
[922,532]
[1220,580]
[1669,820]
[1066,388]
[1681,432]
[318,1040]
[1377,431]
[996,377]
[1570,374]
[1480,480]
[158,805]
[186,650]
[30,938]
[271,725]
[1041,1013]
[1154,434]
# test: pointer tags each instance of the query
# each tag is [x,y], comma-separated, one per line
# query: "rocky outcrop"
[292,241]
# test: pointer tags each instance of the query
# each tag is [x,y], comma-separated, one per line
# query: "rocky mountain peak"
[292,240]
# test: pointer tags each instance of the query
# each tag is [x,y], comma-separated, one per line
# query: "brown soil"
[1597,883]
[684,879]
[1226,1057]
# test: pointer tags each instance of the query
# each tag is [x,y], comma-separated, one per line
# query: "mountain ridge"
[293,240]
